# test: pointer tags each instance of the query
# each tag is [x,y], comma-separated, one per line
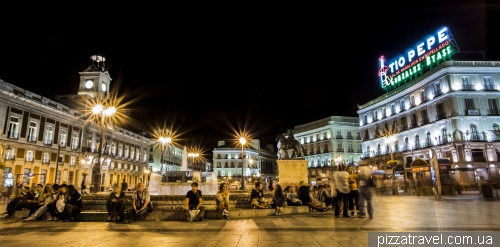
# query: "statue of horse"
[285,144]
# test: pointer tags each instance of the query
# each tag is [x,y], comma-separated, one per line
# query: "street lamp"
[164,141]
[243,141]
[104,112]
[192,156]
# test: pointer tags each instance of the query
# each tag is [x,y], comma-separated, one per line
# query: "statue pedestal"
[291,172]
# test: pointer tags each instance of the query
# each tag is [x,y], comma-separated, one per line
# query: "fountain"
[179,182]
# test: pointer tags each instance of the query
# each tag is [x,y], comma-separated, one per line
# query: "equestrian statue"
[285,144]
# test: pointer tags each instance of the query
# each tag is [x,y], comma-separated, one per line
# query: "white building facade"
[452,110]
[254,162]
[329,142]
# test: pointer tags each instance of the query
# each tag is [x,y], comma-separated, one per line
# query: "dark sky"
[210,72]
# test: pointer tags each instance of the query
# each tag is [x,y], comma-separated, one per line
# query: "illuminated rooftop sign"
[426,54]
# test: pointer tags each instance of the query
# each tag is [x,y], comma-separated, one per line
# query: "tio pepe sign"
[431,51]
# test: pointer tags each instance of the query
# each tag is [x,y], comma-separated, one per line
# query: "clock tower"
[95,80]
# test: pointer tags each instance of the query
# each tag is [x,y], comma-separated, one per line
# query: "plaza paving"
[392,213]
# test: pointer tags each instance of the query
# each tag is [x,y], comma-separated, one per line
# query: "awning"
[419,163]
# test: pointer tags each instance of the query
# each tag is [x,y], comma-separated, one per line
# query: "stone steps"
[162,214]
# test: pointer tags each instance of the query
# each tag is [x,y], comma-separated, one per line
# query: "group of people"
[353,190]
[63,202]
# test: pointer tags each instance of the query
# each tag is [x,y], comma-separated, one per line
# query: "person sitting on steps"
[116,204]
[140,200]
[305,195]
[223,201]
[257,197]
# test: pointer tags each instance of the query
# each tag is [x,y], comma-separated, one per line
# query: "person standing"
[366,185]
[124,185]
[140,200]
[340,180]
[222,201]
[353,193]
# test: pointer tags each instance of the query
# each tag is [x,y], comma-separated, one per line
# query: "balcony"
[10,157]
[476,137]
[468,87]
[339,137]
[62,144]
[404,127]
[423,99]
[472,112]
[29,159]
[31,139]
[349,137]
[350,150]
[12,135]
[493,112]
[46,161]
[413,104]
[413,125]
[86,149]
[358,138]
[490,87]
[438,92]
[340,150]
[47,142]
[74,147]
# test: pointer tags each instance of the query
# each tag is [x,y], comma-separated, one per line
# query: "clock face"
[89,84]
[104,87]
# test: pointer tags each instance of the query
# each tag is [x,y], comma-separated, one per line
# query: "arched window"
[379,151]
[444,135]
[407,144]
[417,142]
[428,141]
[219,173]
[387,149]
[473,132]
[377,131]
[496,127]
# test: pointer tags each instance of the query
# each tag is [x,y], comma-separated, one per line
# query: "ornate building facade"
[46,141]
[452,111]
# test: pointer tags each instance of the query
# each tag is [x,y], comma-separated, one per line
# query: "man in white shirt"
[340,180]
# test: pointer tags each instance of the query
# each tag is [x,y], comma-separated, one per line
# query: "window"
[440,111]
[25,177]
[437,88]
[349,135]
[43,174]
[365,119]
[120,150]
[493,107]
[32,131]
[465,83]
[417,141]
[48,134]
[349,147]
[126,151]
[473,132]
[45,159]
[402,105]
[71,176]
[358,135]
[496,127]
[404,123]
[377,131]
[412,100]
[469,104]
[29,156]
[367,135]
[62,137]
[478,155]
[425,116]
[74,140]
[413,119]
[393,126]
[375,116]
[422,96]
[444,135]
[72,161]
[13,127]
[58,177]
[393,109]
[383,112]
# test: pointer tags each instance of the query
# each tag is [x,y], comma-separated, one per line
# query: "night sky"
[211,72]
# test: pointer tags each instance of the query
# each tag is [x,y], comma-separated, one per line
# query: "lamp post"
[164,141]
[243,141]
[103,112]
[57,161]
[192,156]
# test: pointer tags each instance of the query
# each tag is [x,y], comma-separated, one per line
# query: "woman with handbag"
[279,200]
[222,201]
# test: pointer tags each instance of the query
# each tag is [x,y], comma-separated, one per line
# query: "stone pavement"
[392,213]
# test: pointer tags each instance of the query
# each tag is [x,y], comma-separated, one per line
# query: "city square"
[264,129]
